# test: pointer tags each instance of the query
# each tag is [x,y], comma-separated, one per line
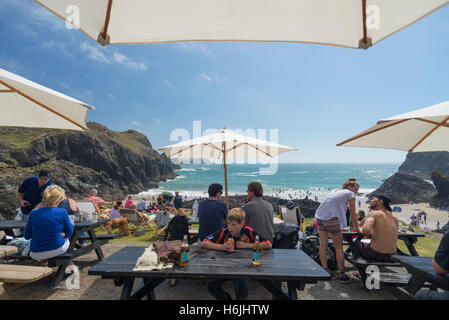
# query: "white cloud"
[157,121]
[204,76]
[211,77]
[167,83]
[136,123]
[94,52]
[56,45]
[100,54]
[192,47]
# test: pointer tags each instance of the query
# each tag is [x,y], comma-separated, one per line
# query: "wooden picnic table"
[422,271]
[7,250]
[290,265]
[409,239]
[63,260]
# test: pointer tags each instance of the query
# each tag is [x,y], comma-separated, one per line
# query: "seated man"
[244,238]
[142,205]
[441,266]
[382,227]
[93,197]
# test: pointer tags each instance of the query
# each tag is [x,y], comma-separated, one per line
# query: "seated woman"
[117,221]
[49,228]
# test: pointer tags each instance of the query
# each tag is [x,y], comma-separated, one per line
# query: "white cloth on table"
[149,261]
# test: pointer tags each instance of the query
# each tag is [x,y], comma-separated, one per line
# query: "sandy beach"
[433,215]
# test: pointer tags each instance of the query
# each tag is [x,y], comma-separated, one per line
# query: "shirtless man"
[382,227]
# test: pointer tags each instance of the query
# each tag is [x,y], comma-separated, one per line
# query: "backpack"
[285,236]
[311,247]
[177,228]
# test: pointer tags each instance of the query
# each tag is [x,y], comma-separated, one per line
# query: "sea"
[288,180]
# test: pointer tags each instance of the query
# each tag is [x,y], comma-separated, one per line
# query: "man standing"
[30,192]
[259,213]
[212,212]
[177,201]
[382,227]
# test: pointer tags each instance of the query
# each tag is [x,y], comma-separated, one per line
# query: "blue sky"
[316,96]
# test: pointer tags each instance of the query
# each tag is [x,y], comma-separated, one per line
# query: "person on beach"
[258,212]
[331,220]
[129,202]
[382,227]
[440,264]
[211,212]
[31,190]
[49,227]
[244,237]
[142,205]
[177,200]
[93,196]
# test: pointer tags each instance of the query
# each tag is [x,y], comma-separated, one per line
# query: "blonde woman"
[49,227]
[331,220]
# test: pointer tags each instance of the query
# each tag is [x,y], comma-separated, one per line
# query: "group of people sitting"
[380,225]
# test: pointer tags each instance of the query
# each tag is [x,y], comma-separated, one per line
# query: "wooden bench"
[101,237]
[7,250]
[387,278]
[13,276]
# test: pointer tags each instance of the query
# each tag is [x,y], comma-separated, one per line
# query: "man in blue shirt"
[30,191]
[212,212]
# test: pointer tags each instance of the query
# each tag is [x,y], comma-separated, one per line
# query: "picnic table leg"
[292,293]
[277,292]
[93,238]
[414,284]
[409,243]
[147,289]
[127,289]
[59,274]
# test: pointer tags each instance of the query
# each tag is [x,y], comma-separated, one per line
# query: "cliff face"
[404,188]
[422,164]
[115,163]
[441,182]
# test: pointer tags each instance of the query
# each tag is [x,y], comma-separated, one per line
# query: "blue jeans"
[431,295]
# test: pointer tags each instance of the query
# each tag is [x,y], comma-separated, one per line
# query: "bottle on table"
[231,241]
[185,253]
[257,254]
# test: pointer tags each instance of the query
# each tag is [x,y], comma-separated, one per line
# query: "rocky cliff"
[422,164]
[441,183]
[405,188]
[115,163]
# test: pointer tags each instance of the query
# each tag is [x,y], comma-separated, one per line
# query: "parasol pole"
[225,172]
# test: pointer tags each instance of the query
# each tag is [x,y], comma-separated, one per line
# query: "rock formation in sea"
[405,188]
[441,183]
[115,163]
[422,164]
[307,207]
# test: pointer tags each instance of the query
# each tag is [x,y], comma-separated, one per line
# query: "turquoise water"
[289,178]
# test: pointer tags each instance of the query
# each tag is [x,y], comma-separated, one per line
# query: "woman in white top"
[331,219]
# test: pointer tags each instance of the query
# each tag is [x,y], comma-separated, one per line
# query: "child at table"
[244,238]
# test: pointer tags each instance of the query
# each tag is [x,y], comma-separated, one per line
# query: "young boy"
[244,238]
